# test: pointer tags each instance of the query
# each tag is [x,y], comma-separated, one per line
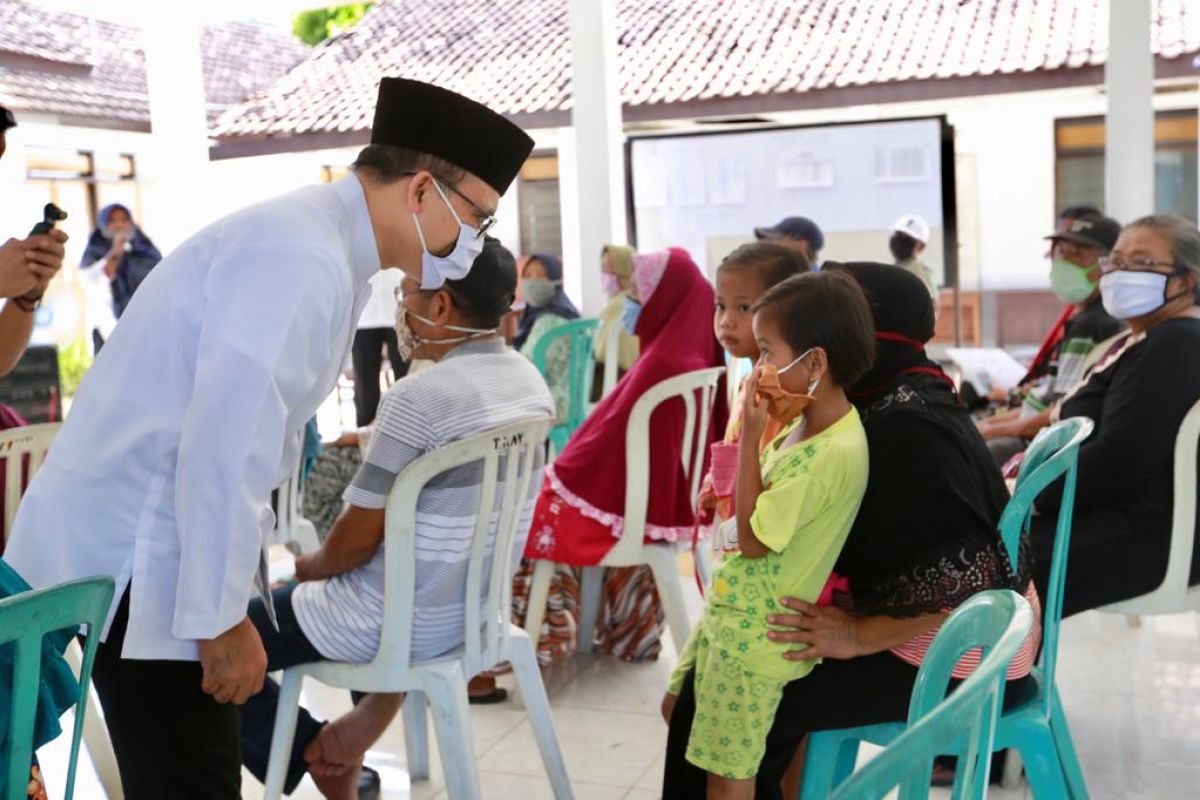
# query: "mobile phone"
[51,215]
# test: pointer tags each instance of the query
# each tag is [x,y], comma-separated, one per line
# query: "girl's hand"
[668,706]
[828,631]
[754,411]
[707,498]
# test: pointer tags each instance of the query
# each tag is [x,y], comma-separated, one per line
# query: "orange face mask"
[782,405]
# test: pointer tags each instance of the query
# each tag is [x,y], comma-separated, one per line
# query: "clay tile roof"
[81,68]
[514,55]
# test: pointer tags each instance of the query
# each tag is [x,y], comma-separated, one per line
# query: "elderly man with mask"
[1076,249]
[162,474]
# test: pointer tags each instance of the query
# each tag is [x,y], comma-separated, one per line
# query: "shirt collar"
[478,347]
[364,251]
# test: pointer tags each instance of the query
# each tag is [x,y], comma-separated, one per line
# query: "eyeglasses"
[486,220]
[1114,264]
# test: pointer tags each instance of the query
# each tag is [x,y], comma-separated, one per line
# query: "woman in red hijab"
[579,514]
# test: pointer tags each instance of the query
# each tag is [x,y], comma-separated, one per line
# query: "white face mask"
[1127,294]
[407,340]
[436,270]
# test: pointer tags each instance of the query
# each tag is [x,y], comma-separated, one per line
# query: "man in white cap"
[192,414]
[910,237]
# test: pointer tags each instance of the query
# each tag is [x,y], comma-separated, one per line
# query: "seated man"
[335,612]
[1076,249]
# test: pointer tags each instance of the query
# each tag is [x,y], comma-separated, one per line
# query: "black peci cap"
[7,120]
[438,122]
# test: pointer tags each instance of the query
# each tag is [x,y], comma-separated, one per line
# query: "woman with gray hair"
[1137,394]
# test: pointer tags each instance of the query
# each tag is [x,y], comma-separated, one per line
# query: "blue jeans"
[287,647]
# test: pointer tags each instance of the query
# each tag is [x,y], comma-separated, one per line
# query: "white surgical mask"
[1127,294]
[407,340]
[436,270]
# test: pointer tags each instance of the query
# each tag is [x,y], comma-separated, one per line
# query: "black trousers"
[285,648]
[837,694]
[367,357]
[172,741]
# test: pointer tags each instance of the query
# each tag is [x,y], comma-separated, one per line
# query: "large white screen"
[708,192]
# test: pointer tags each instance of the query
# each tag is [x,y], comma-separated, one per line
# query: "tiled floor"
[1132,697]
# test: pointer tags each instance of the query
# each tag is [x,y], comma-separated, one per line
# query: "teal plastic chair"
[964,722]
[1037,728]
[580,338]
[25,619]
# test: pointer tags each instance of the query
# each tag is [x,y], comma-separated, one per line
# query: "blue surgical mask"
[436,270]
[630,311]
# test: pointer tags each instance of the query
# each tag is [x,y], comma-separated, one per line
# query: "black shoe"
[369,787]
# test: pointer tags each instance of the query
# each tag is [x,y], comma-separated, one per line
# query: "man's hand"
[828,631]
[235,664]
[45,256]
[306,565]
[27,265]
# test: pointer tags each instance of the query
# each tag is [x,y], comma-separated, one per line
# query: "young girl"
[742,278]
[795,505]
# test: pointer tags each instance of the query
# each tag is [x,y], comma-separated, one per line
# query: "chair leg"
[447,690]
[286,713]
[1013,768]
[95,733]
[829,761]
[703,563]
[661,560]
[416,735]
[1043,765]
[529,678]
[589,605]
[1068,759]
[539,591]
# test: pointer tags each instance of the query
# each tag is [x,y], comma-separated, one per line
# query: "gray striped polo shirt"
[474,388]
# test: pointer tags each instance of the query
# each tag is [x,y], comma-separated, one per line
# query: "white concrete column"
[595,195]
[178,174]
[1129,124]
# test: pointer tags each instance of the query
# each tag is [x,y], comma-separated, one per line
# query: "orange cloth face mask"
[782,405]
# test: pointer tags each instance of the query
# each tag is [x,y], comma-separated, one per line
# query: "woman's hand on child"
[828,631]
[754,411]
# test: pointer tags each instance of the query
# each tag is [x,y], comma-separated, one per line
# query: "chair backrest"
[1052,455]
[1171,595]
[580,336]
[612,349]
[15,444]
[698,391]
[509,458]
[25,619]
[963,723]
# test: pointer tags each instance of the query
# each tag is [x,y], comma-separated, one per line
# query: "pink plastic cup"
[724,468]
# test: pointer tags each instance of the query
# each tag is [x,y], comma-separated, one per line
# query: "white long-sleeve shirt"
[162,474]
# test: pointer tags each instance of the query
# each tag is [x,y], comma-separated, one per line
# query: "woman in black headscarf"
[924,541]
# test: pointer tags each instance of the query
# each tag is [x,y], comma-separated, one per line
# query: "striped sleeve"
[402,434]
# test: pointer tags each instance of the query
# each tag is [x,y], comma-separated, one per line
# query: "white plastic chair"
[612,349]
[34,441]
[292,528]
[489,638]
[698,390]
[1174,595]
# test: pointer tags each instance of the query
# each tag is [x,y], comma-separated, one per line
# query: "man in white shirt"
[192,414]
[375,333]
